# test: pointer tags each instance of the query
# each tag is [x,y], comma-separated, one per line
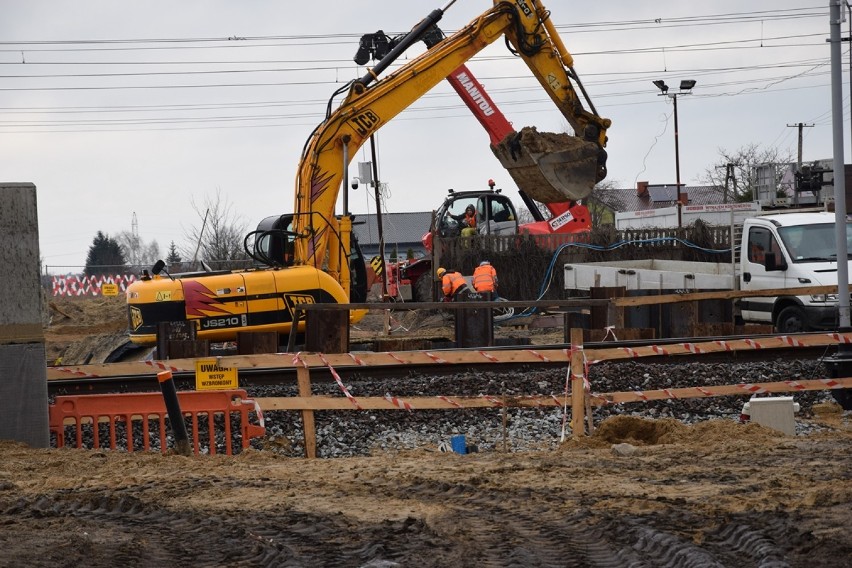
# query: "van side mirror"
[772,263]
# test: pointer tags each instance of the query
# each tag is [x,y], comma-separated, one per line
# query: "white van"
[788,250]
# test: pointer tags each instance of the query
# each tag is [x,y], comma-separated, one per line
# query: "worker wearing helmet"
[452,284]
[485,278]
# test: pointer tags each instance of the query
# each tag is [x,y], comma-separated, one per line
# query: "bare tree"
[599,212]
[136,250]
[737,170]
[218,238]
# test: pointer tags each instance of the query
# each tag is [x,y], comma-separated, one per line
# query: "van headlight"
[824,298]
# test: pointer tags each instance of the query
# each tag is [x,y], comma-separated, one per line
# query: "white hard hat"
[484,262]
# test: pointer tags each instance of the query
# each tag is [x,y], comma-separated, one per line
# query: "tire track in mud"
[481,526]
[562,535]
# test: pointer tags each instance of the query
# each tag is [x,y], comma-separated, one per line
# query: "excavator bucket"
[550,167]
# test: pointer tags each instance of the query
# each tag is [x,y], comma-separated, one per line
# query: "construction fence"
[579,395]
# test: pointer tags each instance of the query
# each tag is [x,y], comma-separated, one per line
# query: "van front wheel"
[792,319]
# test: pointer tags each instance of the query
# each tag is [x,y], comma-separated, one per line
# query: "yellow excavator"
[310,256]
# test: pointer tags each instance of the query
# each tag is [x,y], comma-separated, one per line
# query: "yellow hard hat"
[441,271]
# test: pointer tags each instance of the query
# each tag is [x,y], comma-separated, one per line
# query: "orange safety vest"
[451,282]
[485,278]
[470,220]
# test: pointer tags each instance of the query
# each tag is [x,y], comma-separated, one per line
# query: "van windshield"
[813,243]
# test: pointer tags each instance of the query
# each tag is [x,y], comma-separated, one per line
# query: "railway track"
[270,376]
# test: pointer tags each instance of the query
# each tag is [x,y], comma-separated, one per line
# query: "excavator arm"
[571,171]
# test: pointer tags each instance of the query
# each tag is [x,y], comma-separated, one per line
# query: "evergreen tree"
[105,256]
[173,257]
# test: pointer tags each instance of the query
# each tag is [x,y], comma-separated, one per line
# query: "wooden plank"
[783,341]
[747,389]
[578,389]
[725,295]
[558,356]
[303,376]
[313,403]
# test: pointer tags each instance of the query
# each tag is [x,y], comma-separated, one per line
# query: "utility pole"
[800,126]
[839,173]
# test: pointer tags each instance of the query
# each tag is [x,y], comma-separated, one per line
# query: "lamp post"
[685,89]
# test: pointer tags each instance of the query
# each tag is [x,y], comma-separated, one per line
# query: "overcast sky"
[113,108]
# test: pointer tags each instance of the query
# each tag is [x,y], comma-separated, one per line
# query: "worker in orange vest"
[485,278]
[453,284]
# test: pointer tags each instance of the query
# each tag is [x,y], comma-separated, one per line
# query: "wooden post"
[578,390]
[327,331]
[303,376]
[254,342]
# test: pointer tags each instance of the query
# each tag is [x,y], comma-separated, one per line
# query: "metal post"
[379,223]
[167,386]
[839,169]
[677,165]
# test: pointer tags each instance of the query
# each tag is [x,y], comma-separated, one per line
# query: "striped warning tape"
[659,350]
[492,400]
[630,352]
[792,341]
[340,382]
[752,388]
[535,353]
[840,338]
[74,372]
[692,348]
[395,358]
[434,357]
[162,366]
[670,394]
[357,359]
[298,360]
[489,356]
[398,402]
[450,401]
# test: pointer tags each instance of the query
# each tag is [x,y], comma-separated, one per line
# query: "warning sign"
[109,289]
[209,375]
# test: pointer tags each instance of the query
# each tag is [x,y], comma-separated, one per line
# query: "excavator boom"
[566,167]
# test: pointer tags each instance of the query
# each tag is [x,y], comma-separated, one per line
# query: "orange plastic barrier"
[92,412]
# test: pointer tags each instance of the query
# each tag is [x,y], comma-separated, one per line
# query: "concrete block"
[774,412]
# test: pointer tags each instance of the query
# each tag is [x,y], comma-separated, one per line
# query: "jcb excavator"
[306,257]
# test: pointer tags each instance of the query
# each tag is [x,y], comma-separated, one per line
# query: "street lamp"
[685,89]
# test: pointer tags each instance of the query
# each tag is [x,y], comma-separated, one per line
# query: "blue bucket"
[459,444]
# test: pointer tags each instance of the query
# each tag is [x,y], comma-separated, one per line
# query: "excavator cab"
[274,246]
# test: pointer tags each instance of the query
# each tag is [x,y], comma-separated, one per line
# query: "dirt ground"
[77,329]
[638,493]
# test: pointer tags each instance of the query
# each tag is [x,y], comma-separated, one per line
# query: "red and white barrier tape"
[434,357]
[340,382]
[74,372]
[398,402]
[489,356]
[451,401]
[162,366]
